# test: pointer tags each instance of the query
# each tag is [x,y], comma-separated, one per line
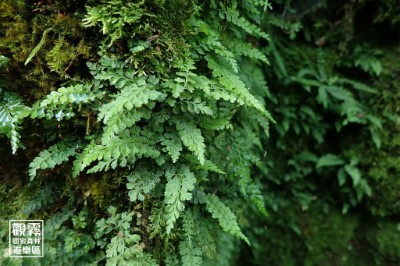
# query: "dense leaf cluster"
[148,120]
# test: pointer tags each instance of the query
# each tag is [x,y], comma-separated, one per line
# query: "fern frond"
[157,220]
[142,182]
[53,156]
[133,96]
[117,152]
[195,106]
[232,15]
[236,86]
[12,112]
[59,104]
[173,145]
[251,190]
[246,49]
[357,85]
[123,120]
[178,190]
[207,166]
[192,138]
[226,218]
[213,43]
[189,251]
[3,60]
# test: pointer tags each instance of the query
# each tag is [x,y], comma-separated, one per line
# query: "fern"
[123,120]
[131,96]
[54,155]
[207,165]
[141,183]
[12,112]
[204,236]
[196,106]
[3,60]
[178,190]
[251,190]
[117,152]
[246,49]
[168,94]
[224,215]
[157,220]
[192,139]
[233,84]
[190,253]
[173,145]
[60,103]
[124,248]
[232,15]
[44,197]
[213,43]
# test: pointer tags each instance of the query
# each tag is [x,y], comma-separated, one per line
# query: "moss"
[50,40]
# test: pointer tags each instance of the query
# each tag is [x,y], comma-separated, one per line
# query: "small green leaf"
[329,160]
[376,67]
[342,177]
[376,138]
[354,173]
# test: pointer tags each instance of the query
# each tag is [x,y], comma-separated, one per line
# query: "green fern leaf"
[173,146]
[212,42]
[357,85]
[157,220]
[251,190]
[130,97]
[190,253]
[3,61]
[232,15]
[121,121]
[196,106]
[59,104]
[192,139]
[54,155]
[225,216]
[117,151]
[246,49]
[12,112]
[142,182]
[177,191]
[208,165]
[236,86]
